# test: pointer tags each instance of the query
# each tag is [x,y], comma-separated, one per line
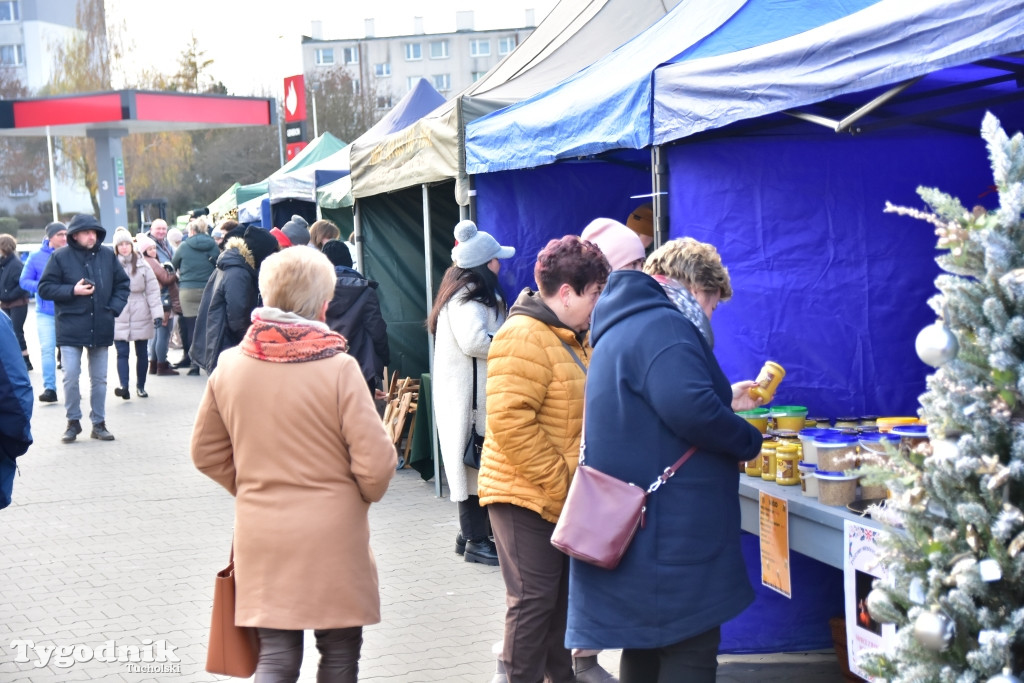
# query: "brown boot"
[165,369]
[152,367]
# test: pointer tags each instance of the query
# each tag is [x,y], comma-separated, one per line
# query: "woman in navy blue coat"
[655,389]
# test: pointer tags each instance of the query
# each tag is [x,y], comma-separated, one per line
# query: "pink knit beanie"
[620,245]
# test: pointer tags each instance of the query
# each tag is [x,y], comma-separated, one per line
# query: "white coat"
[464,332]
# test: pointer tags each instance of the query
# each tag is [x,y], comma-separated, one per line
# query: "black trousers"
[694,660]
[473,521]
[18,315]
[281,655]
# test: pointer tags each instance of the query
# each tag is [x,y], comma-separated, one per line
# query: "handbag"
[475,447]
[233,650]
[601,514]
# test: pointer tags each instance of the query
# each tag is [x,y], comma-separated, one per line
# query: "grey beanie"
[55,227]
[476,247]
[297,230]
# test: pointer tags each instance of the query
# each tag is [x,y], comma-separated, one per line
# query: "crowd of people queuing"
[612,356]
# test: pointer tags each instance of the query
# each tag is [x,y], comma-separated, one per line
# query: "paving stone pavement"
[120,541]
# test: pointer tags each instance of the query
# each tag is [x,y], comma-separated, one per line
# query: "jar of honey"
[768,460]
[768,381]
[786,459]
[753,466]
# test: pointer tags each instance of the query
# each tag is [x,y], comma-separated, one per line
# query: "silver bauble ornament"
[1005,677]
[936,345]
[934,630]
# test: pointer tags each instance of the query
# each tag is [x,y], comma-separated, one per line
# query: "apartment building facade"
[394,64]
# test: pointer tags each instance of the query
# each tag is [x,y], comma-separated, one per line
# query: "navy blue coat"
[15,408]
[85,320]
[654,389]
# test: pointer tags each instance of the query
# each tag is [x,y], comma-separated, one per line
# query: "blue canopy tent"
[826,283]
[727,114]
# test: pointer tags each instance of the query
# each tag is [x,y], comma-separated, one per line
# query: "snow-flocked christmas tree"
[955,586]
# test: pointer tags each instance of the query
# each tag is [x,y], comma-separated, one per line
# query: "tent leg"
[357,230]
[659,183]
[428,283]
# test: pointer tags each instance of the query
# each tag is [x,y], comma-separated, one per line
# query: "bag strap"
[474,384]
[574,356]
[670,471]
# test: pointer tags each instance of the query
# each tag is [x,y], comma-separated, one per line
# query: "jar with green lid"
[768,460]
[786,459]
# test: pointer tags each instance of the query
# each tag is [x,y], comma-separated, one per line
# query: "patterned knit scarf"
[688,306]
[281,337]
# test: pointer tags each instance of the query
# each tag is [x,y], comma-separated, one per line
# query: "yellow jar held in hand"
[767,381]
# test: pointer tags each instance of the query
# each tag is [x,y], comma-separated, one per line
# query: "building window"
[410,82]
[350,55]
[22,190]
[442,82]
[506,45]
[355,86]
[439,49]
[382,70]
[477,75]
[480,48]
[384,102]
[12,55]
[10,11]
[324,56]
[413,52]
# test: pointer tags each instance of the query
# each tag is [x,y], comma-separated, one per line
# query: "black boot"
[73,430]
[482,552]
[99,431]
[460,544]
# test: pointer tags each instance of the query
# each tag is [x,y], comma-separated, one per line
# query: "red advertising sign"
[292,149]
[294,98]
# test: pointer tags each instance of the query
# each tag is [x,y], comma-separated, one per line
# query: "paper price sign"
[774,532]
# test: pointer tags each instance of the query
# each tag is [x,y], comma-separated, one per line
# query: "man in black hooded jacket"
[88,288]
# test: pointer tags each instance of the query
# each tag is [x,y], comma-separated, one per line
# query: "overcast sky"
[255,48]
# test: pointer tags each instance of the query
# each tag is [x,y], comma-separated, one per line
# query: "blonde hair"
[695,265]
[298,281]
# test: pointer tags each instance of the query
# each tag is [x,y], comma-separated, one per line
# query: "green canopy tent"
[320,148]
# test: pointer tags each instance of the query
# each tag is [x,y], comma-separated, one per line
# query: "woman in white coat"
[468,310]
[136,324]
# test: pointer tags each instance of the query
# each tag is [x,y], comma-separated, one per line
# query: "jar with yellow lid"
[767,381]
[786,459]
[768,460]
[753,466]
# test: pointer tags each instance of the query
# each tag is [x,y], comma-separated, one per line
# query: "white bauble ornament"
[1005,677]
[934,630]
[879,606]
[936,345]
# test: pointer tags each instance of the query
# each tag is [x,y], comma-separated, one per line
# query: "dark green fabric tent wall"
[393,255]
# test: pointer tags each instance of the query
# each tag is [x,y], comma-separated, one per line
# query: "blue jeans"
[158,344]
[71,357]
[48,348]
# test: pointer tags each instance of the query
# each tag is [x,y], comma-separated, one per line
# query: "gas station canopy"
[130,112]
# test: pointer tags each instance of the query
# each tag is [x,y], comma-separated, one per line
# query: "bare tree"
[345,105]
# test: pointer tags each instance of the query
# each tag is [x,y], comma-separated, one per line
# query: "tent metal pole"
[875,104]
[428,281]
[659,183]
[357,230]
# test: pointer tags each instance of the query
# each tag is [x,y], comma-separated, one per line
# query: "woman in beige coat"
[287,427]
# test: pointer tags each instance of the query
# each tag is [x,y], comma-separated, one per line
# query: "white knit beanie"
[476,247]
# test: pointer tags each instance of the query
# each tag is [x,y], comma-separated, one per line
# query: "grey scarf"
[688,306]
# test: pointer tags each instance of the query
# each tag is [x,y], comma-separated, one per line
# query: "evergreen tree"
[955,586]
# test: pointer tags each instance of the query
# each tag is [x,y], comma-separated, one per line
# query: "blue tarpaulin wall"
[525,209]
[825,283]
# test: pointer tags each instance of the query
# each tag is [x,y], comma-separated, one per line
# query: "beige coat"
[303,451]
[136,319]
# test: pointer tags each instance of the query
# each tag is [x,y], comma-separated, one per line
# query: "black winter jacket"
[355,313]
[85,320]
[226,307]
[10,272]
